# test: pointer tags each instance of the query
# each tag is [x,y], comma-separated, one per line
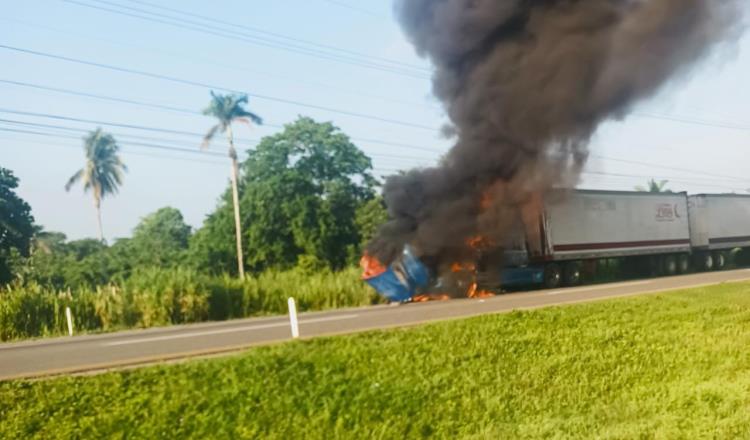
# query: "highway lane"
[88,353]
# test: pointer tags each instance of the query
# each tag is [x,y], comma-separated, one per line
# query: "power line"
[693,121]
[357,57]
[359,139]
[171,108]
[354,8]
[223,64]
[260,41]
[375,169]
[277,35]
[219,88]
[670,179]
[80,130]
[198,134]
[135,153]
[102,97]
[83,131]
[634,162]
[186,133]
[694,179]
[137,144]
[107,123]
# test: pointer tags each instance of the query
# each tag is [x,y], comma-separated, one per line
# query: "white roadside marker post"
[69,316]
[293,318]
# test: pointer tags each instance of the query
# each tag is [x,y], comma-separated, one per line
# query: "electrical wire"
[223,64]
[219,88]
[278,35]
[255,40]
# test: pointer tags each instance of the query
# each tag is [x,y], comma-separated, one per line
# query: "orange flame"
[371,266]
[474,292]
[475,242]
[431,297]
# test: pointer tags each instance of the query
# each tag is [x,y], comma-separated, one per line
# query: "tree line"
[304,197]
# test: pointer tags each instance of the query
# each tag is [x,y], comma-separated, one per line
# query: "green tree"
[228,109]
[102,172]
[654,187]
[161,238]
[16,225]
[60,264]
[47,241]
[301,192]
[370,216]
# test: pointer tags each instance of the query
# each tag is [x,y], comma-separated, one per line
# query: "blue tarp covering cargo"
[400,281]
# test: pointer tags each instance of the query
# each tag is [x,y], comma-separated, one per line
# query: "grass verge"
[672,365]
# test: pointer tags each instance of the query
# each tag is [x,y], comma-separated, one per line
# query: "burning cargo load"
[525,85]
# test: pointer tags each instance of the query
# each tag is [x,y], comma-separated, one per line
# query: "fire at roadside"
[525,85]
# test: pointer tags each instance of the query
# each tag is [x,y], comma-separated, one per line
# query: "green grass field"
[672,365]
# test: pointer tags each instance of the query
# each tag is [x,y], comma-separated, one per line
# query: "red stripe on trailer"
[729,240]
[618,245]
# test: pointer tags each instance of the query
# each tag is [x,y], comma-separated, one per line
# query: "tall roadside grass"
[159,297]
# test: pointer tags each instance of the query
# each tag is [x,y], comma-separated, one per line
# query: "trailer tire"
[656,265]
[552,276]
[670,265]
[572,274]
[720,260]
[743,258]
[705,262]
[683,264]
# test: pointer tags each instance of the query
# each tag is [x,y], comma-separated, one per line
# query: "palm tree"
[102,172]
[228,109]
[654,187]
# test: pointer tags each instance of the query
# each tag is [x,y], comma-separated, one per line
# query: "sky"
[343,61]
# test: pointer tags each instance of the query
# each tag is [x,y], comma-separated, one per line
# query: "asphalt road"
[80,354]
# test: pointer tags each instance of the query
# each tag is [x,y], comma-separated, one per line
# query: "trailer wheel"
[656,265]
[572,273]
[552,276]
[683,263]
[743,258]
[670,265]
[720,261]
[705,262]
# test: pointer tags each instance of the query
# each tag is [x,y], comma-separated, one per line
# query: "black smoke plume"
[525,84]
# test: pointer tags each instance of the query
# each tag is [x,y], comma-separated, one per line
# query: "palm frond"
[210,135]
[73,179]
[242,113]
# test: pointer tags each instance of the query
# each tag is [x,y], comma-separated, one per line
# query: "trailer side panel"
[719,221]
[607,224]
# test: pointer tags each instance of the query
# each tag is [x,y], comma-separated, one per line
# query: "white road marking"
[224,331]
[599,287]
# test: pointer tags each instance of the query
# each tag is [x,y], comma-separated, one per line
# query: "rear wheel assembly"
[705,262]
[552,276]
[572,274]
[683,263]
[670,265]
[720,260]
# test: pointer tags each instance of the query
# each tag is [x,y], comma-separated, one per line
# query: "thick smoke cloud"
[525,84]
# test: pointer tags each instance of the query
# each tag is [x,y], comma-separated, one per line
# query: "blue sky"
[695,133]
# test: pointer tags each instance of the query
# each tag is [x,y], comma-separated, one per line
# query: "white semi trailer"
[718,224]
[586,225]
